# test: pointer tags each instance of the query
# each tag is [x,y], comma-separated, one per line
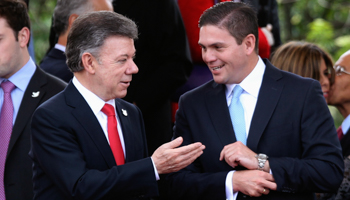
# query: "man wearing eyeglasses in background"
[339,96]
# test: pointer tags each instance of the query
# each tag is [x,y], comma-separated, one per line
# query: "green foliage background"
[324,22]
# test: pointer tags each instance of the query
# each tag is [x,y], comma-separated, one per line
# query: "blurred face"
[114,68]
[226,59]
[9,51]
[324,79]
[340,90]
[102,5]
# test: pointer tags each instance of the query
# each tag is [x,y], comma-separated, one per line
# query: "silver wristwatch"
[262,158]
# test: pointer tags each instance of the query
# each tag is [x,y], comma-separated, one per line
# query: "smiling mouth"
[219,67]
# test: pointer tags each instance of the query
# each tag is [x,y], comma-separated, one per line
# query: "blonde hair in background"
[302,58]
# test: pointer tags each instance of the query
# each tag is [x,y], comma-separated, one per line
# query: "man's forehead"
[344,60]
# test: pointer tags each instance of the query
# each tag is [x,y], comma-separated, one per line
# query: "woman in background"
[307,60]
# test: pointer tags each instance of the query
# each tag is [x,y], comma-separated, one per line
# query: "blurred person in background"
[65,13]
[307,60]
[339,96]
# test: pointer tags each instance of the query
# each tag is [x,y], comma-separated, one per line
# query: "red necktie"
[113,136]
[340,133]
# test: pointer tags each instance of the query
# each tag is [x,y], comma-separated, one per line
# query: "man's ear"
[71,19]
[89,62]
[23,36]
[249,44]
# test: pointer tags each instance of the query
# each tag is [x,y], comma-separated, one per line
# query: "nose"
[324,81]
[132,69]
[208,56]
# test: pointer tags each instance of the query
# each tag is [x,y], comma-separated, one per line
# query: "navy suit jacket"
[55,63]
[18,168]
[291,124]
[73,160]
[345,144]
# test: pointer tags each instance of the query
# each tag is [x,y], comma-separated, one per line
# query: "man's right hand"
[168,158]
[253,182]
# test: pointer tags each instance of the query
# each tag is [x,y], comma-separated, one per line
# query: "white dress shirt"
[60,47]
[251,86]
[96,104]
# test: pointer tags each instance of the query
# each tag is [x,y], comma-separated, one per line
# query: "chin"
[121,94]
[218,80]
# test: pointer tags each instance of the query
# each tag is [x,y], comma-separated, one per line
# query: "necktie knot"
[7,86]
[237,91]
[108,110]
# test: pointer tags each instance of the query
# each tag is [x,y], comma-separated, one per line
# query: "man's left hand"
[238,154]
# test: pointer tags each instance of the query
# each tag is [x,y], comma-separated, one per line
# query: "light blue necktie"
[237,115]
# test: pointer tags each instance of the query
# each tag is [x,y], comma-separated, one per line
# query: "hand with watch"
[239,154]
[256,180]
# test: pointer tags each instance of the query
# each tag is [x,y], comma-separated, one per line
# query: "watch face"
[262,156]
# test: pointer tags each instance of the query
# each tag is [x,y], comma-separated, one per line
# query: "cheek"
[324,80]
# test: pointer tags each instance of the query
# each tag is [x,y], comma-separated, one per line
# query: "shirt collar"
[346,124]
[252,83]
[60,47]
[95,102]
[22,77]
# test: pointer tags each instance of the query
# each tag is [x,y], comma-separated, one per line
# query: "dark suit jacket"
[55,63]
[291,124]
[73,160]
[345,144]
[164,60]
[18,168]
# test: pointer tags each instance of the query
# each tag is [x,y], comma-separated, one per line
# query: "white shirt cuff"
[155,170]
[230,195]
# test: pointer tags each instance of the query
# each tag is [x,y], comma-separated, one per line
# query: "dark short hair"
[16,15]
[90,30]
[238,18]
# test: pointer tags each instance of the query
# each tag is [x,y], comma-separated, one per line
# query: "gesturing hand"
[167,158]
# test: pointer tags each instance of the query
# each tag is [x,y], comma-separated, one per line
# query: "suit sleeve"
[193,182]
[57,153]
[320,165]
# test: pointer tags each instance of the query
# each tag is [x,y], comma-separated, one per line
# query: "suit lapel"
[28,105]
[126,125]
[269,95]
[219,114]
[87,119]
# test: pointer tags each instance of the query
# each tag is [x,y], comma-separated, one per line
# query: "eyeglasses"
[339,70]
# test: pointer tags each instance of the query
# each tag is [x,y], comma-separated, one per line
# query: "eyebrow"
[210,45]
